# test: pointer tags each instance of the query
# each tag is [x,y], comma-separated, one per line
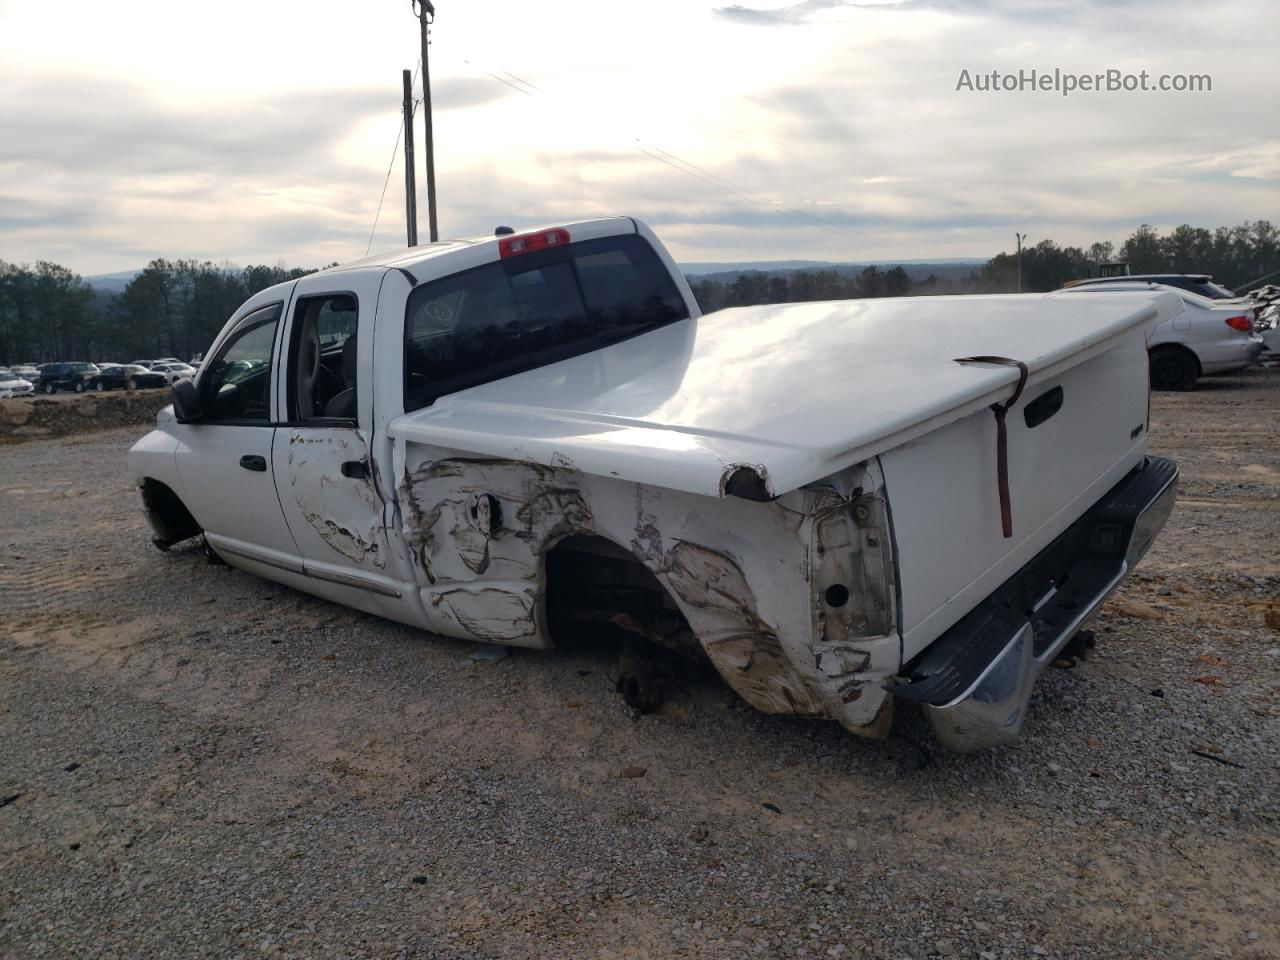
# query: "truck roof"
[410,257]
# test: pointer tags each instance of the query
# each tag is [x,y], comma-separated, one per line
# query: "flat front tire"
[1173,369]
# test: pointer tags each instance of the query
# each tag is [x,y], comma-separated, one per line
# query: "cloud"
[806,10]
[791,15]
[148,177]
[49,124]
[853,119]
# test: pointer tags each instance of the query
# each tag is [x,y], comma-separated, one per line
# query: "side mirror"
[186,401]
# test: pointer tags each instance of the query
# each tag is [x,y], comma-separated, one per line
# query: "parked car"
[1199,283]
[142,363]
[66,376]
[174,370]
[518,433]
[12,385]
[113,378]
[27,371]
[1205,337]
[1266,321]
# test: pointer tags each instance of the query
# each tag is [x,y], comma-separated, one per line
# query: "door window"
[322,359]
[236,386]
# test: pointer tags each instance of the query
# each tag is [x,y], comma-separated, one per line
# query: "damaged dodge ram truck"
[839,505]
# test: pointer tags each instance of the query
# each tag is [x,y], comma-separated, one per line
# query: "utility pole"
[426,15]
[410,185]
[1021,237]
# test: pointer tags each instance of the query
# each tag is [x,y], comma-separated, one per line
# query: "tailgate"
[1073,434]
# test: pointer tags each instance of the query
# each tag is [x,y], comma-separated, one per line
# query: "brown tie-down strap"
[1002,436]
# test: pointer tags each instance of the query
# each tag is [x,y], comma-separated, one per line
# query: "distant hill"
[784,266]
[111,282]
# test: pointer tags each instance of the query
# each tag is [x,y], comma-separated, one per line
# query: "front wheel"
[49,388]
[100,386]
[79,388]
[1173,369]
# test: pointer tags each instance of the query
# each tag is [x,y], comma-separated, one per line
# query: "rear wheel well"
[591,583]
[168,515]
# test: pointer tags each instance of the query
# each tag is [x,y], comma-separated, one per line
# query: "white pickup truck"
[840,505]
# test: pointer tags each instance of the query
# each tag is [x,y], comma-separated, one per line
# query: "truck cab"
[506,438]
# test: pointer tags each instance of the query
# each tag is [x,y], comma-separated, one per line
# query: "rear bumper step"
[976,679]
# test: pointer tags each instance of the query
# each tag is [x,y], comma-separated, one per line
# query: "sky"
[261,132]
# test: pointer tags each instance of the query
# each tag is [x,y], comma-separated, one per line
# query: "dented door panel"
[326,472]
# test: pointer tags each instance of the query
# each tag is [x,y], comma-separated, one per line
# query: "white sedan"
[1208,336]
[12,385]
[174,371]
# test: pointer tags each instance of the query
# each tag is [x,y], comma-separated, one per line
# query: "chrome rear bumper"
[975,681]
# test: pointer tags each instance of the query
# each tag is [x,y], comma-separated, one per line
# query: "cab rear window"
[528,311]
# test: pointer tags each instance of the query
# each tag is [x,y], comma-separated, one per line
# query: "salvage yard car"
[498,438]
[113,378]
[1199,283]
[12,385]
[172,371]
[1206,337]
[66,376]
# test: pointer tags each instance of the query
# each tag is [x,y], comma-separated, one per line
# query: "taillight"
[532,242]
[1242,323]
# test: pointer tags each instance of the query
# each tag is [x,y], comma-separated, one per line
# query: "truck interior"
[322,358]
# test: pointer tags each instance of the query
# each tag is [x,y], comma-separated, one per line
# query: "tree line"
[1234,256]
[795,286]
[176,307]
[171,308]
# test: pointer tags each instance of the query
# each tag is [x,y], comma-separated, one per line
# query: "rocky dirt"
[62,414]
[194,762]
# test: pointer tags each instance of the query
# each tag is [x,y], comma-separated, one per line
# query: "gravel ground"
[194,762]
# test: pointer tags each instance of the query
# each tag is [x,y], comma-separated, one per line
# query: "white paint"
[853,412]
[800,390]
[944,493]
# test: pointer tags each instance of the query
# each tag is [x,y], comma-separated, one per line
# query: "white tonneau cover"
[796,391]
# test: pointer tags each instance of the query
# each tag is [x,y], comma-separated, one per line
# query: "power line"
[518,89]
[525,82]
[383,196]
[804,219]
[691,169]
[391,165]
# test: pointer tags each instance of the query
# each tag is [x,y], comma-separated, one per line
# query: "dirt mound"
[58,416]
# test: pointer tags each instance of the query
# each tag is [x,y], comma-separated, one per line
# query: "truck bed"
[795,391]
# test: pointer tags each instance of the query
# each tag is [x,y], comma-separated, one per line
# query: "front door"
[225,459]
[323,469]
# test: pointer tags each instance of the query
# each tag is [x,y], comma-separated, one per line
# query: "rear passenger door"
[323,468]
